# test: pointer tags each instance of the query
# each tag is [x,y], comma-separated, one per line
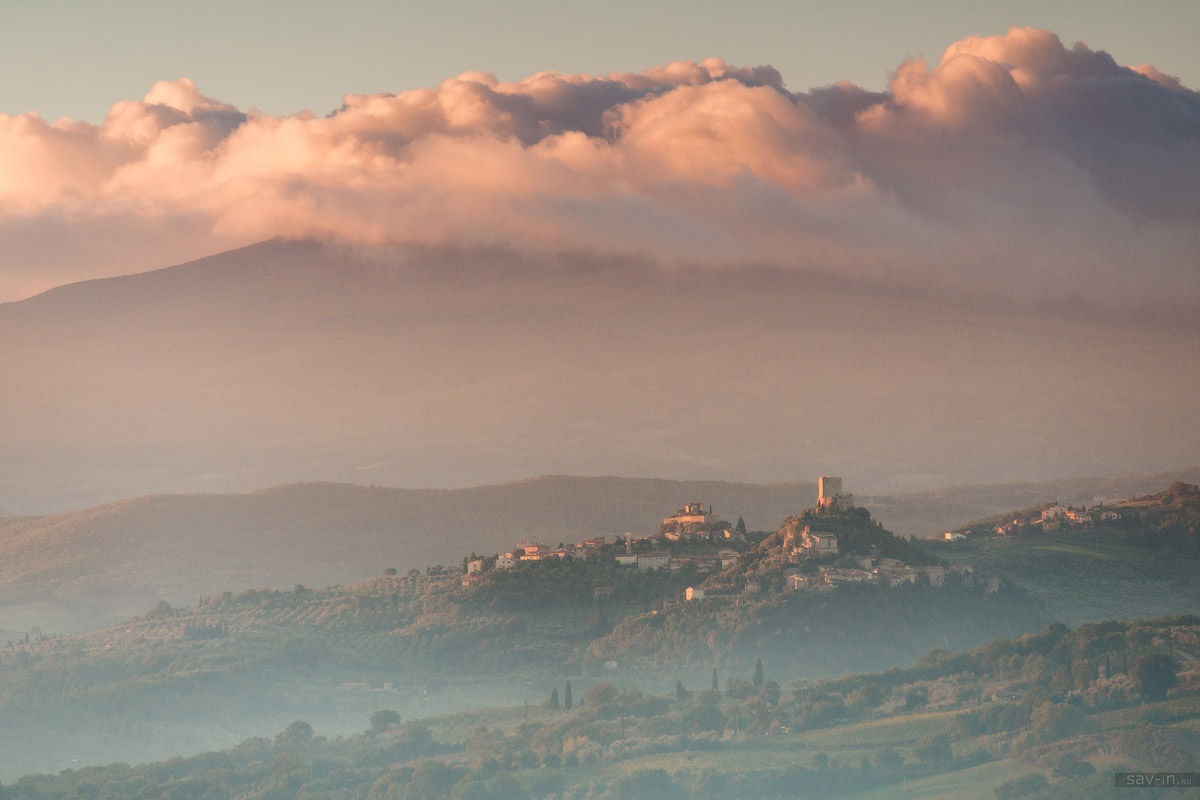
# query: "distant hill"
[176,547]
[180,546]
[928,512]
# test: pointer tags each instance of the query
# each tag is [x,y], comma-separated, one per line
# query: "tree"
[864,698]
[601,695]
[758,674]
[298,732]
[554,699]
[916,697]
[1051,721]
[716,687]
[1155,674]
[383,720]
[741,526]
[933,749]
[567,701]
[681,694]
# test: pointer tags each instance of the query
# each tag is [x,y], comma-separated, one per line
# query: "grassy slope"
[1085,577]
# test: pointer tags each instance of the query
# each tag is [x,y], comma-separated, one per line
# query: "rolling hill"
[99,565]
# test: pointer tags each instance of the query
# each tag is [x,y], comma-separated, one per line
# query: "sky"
[76,58]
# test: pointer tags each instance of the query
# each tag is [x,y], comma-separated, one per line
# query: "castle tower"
[828,489]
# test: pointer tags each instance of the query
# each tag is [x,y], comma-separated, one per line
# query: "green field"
[1087,576]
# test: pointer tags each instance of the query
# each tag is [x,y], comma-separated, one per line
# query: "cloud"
[1017,168]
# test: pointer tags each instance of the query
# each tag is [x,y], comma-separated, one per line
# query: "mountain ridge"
[292,361]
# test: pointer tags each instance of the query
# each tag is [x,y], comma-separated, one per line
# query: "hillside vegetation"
[233,663]
[1048,715]
[1144,563]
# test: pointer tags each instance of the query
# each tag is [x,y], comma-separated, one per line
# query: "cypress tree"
[554,699]
[567,702]
[716,687]
[758,675]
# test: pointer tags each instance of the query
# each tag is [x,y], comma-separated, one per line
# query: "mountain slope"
[297,361]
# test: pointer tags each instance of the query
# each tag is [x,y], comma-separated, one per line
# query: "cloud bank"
[1016,168]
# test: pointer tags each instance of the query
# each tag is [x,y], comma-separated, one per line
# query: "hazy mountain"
[287,362]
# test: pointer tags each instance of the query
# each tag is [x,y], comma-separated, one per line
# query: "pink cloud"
[1015,166]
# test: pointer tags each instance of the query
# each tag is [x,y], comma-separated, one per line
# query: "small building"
[475,566]
[654,560]
[691,514]
[800,583]
[818,542]
[951,536]
[834,577]
[471,580]
[505,561]
[627,560]
[694,593]
[691,522]
[752,587]
[703,562]
[603,591]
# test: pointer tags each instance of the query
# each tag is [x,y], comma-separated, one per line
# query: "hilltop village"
[1178,504]
[831,544]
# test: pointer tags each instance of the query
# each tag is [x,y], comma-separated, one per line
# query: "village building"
[654,560]
[603,591]
[800,583]
[475,566]
[833,577]
[694,593]
[817,542]
[691,522]
[1080,519]
[703,562]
